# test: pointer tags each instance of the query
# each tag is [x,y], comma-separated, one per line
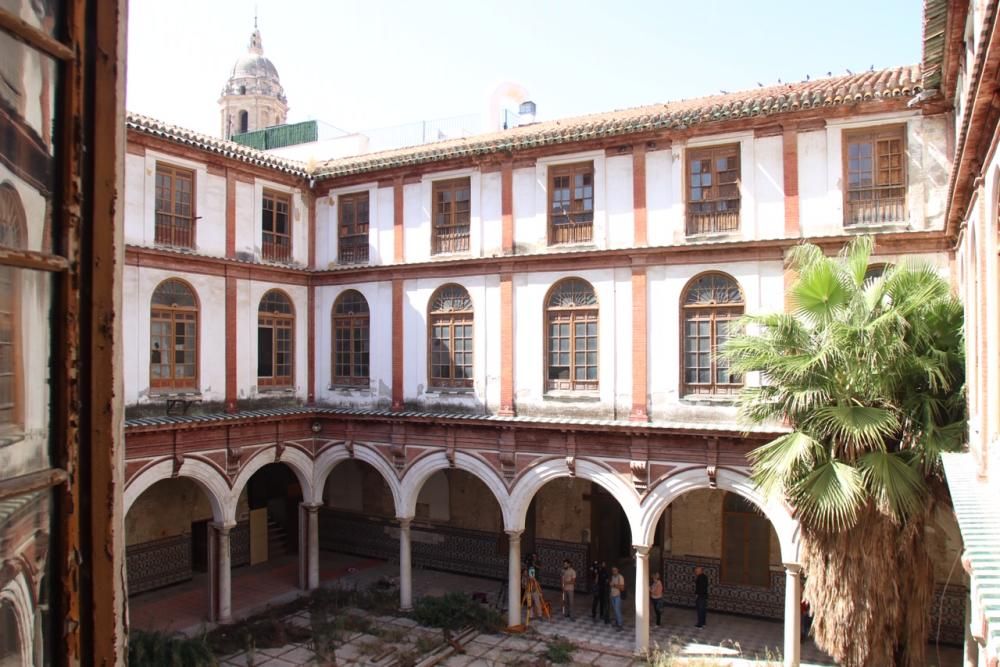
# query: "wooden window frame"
[725,575]
[273,248]
[172,384]
[352,244]
[172,234]
[350,322]
[874,135]
[582,314]
[277,321]
[713,222]
[573,230]
[450,319]
[733,312]
[13,216]
[447,237]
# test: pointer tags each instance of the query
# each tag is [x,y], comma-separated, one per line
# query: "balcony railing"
[174,231]
[713,222]
[276,248]
[353,252]
[875,206]
[571,232]
[451,239]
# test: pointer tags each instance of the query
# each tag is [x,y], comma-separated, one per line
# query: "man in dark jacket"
[599,586]
[700,596]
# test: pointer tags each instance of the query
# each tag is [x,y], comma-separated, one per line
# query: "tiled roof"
[469,417]
[976,507]
[896,82]
[892,83]
[156,128]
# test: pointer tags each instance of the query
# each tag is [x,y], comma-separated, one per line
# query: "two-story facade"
[458,353]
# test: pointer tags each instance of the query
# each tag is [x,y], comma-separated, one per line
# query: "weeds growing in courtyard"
[560,650]
[454,611]
[157,649]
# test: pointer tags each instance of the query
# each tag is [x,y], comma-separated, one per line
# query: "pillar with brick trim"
[514,577]
[220,576]
[405,565]
[641,599]
[793,614]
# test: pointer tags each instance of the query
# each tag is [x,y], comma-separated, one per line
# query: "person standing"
[656,595]
[599,578]
[617,584]
[700,596]
[568,588]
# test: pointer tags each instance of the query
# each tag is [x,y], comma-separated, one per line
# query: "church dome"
[254,74]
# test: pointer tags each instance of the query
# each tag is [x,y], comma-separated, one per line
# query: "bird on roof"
[724,92]
[759,84]
[807,77]
[850,72]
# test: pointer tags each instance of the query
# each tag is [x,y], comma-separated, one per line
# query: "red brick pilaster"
[311,346]
[230,213]
[507,408]
[639,192]
[397,342]
[231,341]
[397,219]
[790,166]
[310,200]
[507,206]
[640,345]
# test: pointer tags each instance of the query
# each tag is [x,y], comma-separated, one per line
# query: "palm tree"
[868,372]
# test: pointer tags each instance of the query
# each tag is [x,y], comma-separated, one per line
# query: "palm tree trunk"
[870,589]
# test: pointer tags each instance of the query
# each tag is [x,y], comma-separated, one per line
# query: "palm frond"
[830,496]
[894,483]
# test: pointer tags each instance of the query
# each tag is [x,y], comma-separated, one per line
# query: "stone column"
[514,578]
[641,588]
[312,546]
[223,566]
[405,569]
[793,613]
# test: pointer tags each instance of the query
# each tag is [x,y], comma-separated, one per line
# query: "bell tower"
[252,98]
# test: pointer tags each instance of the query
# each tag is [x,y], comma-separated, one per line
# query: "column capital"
[404,521]
[222,527]
[641,550]
[310,507]
[514,535]
[793,568]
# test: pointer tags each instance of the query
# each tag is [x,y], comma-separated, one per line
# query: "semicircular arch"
[17,594]
[332,456]
[297,460]
[204,474]
[674,486]
[422,469]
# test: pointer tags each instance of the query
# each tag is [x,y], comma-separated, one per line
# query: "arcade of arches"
[453,512]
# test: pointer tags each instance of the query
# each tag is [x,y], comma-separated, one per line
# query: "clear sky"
[361,64]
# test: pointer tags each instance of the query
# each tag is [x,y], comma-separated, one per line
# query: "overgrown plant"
[559,650]
[157,649]
[868,371]
[454,611]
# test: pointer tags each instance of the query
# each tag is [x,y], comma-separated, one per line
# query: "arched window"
[173,337]
[13,230]
[350,339]
[711,304]
[571,336]
[746,543]
[244,121]
[450,338]
[275,340]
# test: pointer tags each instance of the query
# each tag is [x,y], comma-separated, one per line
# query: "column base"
[638,416]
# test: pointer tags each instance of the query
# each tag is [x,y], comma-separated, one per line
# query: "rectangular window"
[875,174]
[174,206]
[452,212]
[274,352]
[276,222]
[713,189]
[571,203]
[352,238]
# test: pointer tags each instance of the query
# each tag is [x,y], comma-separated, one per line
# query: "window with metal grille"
[875,174]
[350,339]
[275,340]
[571,203]
[452,202]
[746,543]
[352,239]
[711,304]
[175,219]
[713,187]
[276,223]
[173,337]
[450,324]
[571,345]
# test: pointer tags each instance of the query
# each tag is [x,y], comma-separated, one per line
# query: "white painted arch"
[330,457]
[535,477]
[205,475]
[17,594]
[300,463]
[423,468]
[676,485]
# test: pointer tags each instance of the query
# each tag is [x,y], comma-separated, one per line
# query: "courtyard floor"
[727,639]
